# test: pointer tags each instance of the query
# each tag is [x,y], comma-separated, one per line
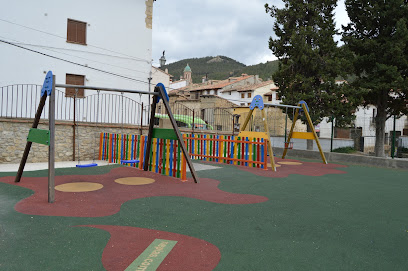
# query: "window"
[75,79]
[242,95]
[249,95]
[215,92]
[269,98]
[276,96]
[76,32]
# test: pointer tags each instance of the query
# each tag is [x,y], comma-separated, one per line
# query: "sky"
[239,29]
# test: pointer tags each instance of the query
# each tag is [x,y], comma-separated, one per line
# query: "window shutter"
[81,33]
[76,32]
[74,79]
[71,31]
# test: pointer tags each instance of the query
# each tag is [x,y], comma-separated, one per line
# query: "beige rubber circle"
[78,187]
[290,163]
[270,165]
[134,181]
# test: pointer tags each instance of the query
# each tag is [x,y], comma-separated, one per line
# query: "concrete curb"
[333,157]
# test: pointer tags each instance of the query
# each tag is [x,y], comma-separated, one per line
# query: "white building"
[96,43]
[160,76]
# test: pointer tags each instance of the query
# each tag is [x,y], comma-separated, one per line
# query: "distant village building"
[160,76]
[185,80]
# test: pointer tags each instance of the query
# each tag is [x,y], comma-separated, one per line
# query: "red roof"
[253,87]
[221,84]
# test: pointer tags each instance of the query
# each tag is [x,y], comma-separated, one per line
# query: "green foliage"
[310,60]
[264,70]
[377,37]
[219,68]
[345,150]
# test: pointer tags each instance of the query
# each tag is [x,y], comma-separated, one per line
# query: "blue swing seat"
[129,161]
[88,165]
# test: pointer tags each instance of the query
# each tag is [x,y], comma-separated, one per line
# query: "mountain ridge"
[219,68]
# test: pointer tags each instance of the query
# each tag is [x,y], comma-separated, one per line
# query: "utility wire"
[54,35]
[71,62]
[47,48]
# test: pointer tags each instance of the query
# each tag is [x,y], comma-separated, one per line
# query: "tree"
[378,38]
[309,58]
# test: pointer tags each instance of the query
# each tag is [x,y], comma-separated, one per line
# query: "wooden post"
[269,140]
[28,144]
[177,131]
[247,119]
[290,133]
[51,147]
[309,120]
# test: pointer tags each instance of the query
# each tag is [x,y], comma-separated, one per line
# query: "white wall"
[178,84]
[118,26]
[159,76]
[364,119]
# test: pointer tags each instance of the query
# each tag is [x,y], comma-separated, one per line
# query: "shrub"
[345,150]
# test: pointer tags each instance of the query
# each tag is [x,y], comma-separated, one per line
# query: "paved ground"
[306,216]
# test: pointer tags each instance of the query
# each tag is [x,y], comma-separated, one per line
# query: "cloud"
[239,29]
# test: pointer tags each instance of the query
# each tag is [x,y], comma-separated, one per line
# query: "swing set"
[47,137]
[257,102]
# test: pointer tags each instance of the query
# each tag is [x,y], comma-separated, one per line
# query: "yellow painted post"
[309,120]
[269,140]
[247,119]
[154,144]
[285,150]
[167,157]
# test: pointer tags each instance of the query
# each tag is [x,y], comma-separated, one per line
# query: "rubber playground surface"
[305,216]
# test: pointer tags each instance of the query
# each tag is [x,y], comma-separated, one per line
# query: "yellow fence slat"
[303,135]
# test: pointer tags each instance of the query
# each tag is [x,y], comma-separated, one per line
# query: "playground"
[311,216]
[143,204]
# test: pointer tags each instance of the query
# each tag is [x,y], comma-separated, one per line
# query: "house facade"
[76,41]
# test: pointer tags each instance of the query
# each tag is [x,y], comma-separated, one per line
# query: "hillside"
[220,67]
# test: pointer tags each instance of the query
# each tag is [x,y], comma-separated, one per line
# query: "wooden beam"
[28,144]
[178,134]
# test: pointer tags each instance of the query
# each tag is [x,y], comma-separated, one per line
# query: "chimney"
[166,70]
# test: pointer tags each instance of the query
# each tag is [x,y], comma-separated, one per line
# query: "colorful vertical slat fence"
[166,157]
[251,152]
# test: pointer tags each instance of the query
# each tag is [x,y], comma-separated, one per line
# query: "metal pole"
[28,144]
[332,135]
[393,140]
[141,121]
[150,134]
[51,147]
[286,125]
[193,120]
[74,131]
[107,89]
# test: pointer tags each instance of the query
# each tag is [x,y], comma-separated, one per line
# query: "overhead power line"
[72,62]
[61,37]
[48,48]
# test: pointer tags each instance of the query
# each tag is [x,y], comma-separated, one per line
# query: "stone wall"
[13,135]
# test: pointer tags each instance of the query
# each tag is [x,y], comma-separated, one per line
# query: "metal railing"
[21,101]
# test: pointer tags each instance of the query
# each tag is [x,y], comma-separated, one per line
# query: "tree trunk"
[309,142]
[380,130]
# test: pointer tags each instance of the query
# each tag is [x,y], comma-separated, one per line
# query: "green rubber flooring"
[352,221]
